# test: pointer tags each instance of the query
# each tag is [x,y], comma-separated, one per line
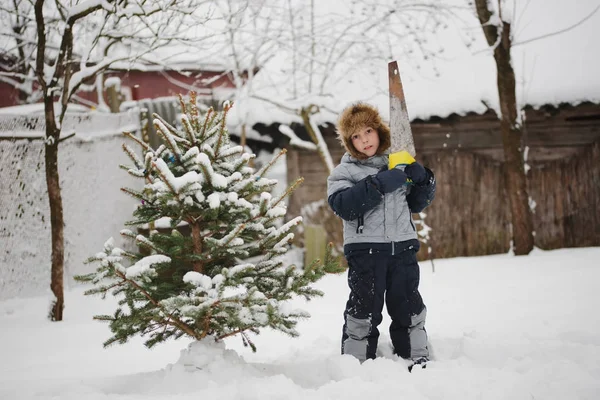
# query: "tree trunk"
[514,171]
[56,211]
[516,180]
[197,243]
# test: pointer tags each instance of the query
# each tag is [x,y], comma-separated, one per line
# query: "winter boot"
[419,362]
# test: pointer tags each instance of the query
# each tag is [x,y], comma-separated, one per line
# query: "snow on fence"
[90,178]
[168,108]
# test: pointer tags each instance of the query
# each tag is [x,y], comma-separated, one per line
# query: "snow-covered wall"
[94,207]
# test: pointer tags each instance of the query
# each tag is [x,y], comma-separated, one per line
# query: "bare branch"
[281,105]
[575,25]
[23,40]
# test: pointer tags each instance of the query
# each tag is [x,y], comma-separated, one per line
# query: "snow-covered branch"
[87,7]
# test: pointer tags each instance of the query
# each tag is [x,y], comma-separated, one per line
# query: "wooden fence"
[567,194]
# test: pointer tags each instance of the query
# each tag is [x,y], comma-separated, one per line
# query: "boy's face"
[366,141]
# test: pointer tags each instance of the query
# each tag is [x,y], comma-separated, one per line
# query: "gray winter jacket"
[369,215]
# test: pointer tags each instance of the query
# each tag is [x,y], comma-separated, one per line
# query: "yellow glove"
[400,158]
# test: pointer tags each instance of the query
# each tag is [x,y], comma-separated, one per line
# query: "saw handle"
[401,158]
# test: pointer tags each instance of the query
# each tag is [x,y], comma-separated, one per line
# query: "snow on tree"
[229,276]
[54,49]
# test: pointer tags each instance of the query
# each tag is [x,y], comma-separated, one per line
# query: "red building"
[150,84]
[9,96]
[145,84]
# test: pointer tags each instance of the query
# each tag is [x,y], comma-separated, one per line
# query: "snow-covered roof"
[174,64]
[38,109]
[560,67]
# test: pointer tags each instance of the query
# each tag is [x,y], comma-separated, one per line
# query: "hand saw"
[403,145]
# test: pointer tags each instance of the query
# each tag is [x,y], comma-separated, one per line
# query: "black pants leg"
[405,306]
[367,282]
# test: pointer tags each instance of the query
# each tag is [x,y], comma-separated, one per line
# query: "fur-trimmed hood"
[359,116]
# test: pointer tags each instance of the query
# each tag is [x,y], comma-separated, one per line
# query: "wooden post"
[114,97]
[315,243]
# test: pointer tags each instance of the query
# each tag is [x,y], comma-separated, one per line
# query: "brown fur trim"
[359,116]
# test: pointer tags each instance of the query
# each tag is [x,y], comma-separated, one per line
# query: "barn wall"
[550,133]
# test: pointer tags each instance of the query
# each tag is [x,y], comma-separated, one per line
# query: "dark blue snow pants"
[376,278]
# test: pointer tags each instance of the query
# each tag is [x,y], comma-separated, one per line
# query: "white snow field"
[502,327]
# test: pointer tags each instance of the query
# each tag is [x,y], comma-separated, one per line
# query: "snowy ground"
[502,327]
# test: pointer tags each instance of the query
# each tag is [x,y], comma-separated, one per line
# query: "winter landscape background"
[501,326]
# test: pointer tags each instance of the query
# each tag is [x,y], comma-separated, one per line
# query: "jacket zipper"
[384,216]
[360,224]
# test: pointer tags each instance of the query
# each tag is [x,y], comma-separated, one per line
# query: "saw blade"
[401,133]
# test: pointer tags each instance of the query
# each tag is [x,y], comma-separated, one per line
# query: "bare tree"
[498,35]
[58,47]
[306,49]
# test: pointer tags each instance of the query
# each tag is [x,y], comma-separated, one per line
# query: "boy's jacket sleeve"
[348,200]
[421,196]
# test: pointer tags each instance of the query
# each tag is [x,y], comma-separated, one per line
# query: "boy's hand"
[390,180]
[416,172]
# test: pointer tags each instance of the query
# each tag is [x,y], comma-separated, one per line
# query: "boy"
[380,239]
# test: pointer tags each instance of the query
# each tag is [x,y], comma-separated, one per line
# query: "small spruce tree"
[227,276]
